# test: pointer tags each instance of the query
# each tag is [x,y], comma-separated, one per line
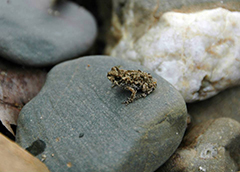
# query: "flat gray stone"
[32,34]
[85,126]
[210,146]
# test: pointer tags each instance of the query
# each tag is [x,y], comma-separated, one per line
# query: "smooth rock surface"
[210,146]
[33,34]
[84,124]
[196,52]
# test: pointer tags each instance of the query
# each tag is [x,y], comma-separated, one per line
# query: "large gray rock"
[85,126]
[32,34]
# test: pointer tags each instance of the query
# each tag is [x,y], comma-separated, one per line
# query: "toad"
[132,80]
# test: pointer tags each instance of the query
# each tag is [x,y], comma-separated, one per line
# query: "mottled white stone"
[199,53]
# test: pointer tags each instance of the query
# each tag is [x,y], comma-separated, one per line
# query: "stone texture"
[196,52]
[210,146]
[84,124]
[127,14]
[225,104]
[33,34]
[18,86]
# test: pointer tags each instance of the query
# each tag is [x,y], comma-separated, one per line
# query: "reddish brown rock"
[18,86]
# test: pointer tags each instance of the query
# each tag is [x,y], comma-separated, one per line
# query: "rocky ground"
[59,111]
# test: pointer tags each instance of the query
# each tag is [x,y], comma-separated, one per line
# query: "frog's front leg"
[132,97]
[114,84]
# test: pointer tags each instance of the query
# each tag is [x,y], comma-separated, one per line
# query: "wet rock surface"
[210,146]
[33,33]
[84,124]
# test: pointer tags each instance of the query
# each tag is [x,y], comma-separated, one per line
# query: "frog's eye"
[115,68]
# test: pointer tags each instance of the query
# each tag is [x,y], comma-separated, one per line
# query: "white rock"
[199,53]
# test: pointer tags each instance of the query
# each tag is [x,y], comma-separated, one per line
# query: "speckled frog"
[132,80]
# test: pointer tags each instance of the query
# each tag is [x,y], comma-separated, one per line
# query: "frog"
[134,81]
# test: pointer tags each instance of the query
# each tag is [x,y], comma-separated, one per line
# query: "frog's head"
[114,74]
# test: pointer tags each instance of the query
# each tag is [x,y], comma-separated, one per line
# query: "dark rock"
[78,98]
[210,146]
[37,147]
[225,104]
[31,33]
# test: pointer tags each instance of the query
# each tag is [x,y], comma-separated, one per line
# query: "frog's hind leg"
[132,97]
[143,95]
